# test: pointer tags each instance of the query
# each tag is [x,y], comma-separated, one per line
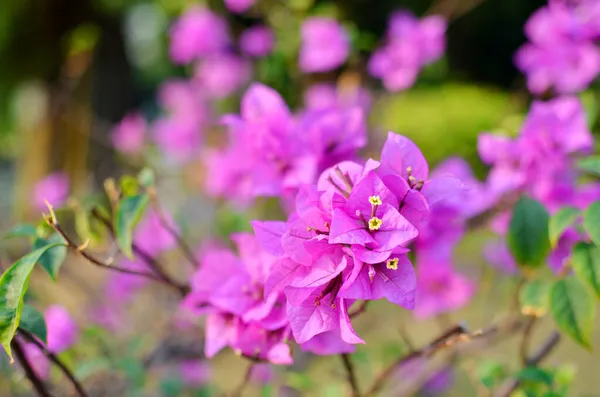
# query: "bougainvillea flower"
[129,135]
[241,314]
[325,45]
[440,289]
[198,33]
[220,76]
[257,41]
[410,45]
[238,6]
[54,189]
[62,329]
[152,236]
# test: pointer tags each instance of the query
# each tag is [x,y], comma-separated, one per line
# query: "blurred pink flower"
[62,329]
[54,188]
[238,6]
[222,75]
[194,373]
[129,135]
[198,33]
[257,41]
[325,45]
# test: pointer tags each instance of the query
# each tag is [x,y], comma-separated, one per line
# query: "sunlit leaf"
[129,213]
[560,221]
[586,264]
[534,298]
[590,164]
[591,222]
[572,307]
[13,285]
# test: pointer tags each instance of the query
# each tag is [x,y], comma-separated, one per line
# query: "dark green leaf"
[590,164]
[33,321]
[129,212]
[52,259]
[13,285]
[22,230]
[534,298]
[536,375]
[560,221]
[572,307]
[586,264]
[528,237]
[591,222]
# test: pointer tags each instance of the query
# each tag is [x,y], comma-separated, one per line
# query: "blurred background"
[72,69]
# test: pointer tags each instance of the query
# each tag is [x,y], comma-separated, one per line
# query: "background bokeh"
[71,69]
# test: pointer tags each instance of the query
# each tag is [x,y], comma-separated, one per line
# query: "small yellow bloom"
[375,200]
[375,223]
[392,264]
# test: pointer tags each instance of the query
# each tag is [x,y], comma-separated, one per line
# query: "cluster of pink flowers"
[410,45]
[325,45]
[346,239]
[271,152]
[562,53]
[541,163]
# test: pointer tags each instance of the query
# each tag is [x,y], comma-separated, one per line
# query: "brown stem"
[545,349]
[183,246]
[454,335]
[36,382]
[152,263]
[55,360]
[525,341]
[350,374]
[237,392]
[80,250]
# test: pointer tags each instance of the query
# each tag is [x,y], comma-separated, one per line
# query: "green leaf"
[590,164]
[52,259]
[528,237]
[591,222]
[129,212]
[22,230]
[534,298]
[171,386]
[536,375]
[560,221]
[586,264]
[13,285]
[33,321]
[491,373]
[572,307]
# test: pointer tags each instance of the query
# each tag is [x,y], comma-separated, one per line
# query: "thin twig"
[54,359]
[183,246]
[350,374]
[152,263]
[81,250]
[36,382]
[451,337]
[237,392]
[525,341]
[545,349]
